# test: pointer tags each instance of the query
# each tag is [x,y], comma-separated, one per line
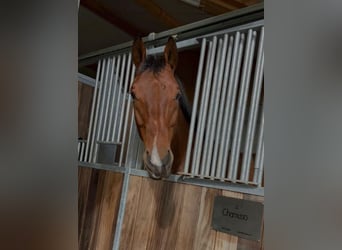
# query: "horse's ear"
[171,53]
[138,52]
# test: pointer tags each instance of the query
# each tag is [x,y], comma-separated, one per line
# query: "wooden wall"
[98,204]
[158,215]
[166,215]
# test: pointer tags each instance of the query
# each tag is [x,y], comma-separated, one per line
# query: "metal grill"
[226,109]
[111,125]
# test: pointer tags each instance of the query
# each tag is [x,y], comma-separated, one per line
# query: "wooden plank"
[132,207]
[84,178]
[85,233]
[205,236]
[108,210]
[224,240]
[103,11]
[158,12]
[164,228]
[188,217]
[145,215]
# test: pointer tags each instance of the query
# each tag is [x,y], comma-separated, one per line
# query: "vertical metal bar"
[222,107]
[115,95]
[205,170]
[97,113]
[129,154]
[204,104]
[91,121]
[108,100]
[139,153]
[118,108]
[246,162]
[123,143]
[212,98]
[112,83]
[195,160]
[259,152]
[216,99]
[122,208]
[194,109]
[124,99]
[226,67]
[231,95]
[78,150]
[241,107]
[82,151]
[101,118]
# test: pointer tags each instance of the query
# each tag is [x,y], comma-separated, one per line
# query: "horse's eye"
[178,96]
[133,95]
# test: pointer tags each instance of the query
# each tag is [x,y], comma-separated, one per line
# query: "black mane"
[153,63]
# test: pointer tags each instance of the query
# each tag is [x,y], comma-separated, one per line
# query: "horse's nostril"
[147,152]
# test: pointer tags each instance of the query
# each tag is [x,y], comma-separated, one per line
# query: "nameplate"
[238,217]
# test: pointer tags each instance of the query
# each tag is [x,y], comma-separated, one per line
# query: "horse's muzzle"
[158,172]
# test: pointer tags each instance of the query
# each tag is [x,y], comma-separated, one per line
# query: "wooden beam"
[155,10]
[103,11]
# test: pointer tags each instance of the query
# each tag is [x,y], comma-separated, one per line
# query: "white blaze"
[155,159]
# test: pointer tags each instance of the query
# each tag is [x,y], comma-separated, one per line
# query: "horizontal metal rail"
[181,179]
[202,27]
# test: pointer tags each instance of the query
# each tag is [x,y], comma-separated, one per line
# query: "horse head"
[155,94]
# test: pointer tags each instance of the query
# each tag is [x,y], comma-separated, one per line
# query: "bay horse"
[157,104]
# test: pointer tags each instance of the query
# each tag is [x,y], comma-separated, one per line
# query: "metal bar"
[235,187]
[113,94]
[229,110]
[198,28]
[232,104]
[105,98]
[96,113]
[123,104]
[195,164]
[91,121]
[216,99]
[240,28]
[78,149]
[122,207]
[86,80]
[195,103]
[101,118]
[112,108]
[246,162]
[204,104]
[108,101]
[118,108]
[241,107]
[210,123]
[128,112]
[222,107]
[259,153]
[82,151]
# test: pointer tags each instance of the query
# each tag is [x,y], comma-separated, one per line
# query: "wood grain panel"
[158,215]
[132,202]
[205,236]
[99,195]
[188,217]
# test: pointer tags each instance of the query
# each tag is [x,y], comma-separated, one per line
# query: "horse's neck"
[179,143]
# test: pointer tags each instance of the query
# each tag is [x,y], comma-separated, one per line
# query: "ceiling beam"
[158,12]
[102,11]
